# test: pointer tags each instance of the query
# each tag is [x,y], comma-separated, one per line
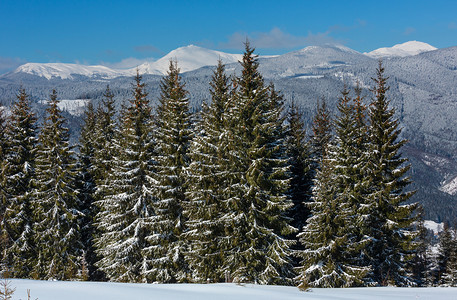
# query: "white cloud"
[277,39]
[10,63]
[409,30]
[147,49]
[127,63]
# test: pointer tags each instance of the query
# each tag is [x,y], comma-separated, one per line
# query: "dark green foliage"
[173,134]
[422,269]
[86,187]
[258,182]
[299,156]
[447,257]
[104,137]
[207,184]
[449,277]
[389,220]
[322,132]
[55,202]
[332,239]
[126,200]
[18,171]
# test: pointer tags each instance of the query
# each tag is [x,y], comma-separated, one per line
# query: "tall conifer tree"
[332,239]
[56,205]
[299,154]
[86,190]
[126,208]
[390,221]
[19,162]
[207,184]
[257,196]
[173,134]
[104,139]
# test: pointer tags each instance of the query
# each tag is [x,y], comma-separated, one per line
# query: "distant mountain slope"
[401,50]
[65,71]
[190,58]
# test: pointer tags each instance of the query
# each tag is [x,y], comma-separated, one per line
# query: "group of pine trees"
[235,193]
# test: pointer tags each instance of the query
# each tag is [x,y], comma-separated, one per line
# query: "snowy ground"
[53,290]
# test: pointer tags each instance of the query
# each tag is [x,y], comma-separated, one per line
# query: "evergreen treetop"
[390,221]
[125,201]
[173,135]
[55,202]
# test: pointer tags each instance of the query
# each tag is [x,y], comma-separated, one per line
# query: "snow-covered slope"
[311,61]
[65,71]
[53,290]
[189,58]
[433,226]
[401,50]
[75,107]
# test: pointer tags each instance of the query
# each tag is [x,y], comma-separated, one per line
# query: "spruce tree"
[18,169]
[86,190]
[104,140]
[207,184]
[389,220]
[257,202]
[55,202]
[126,208]
[422,268]
[449,276]
[173,134]
[298,152]
[444,253]
[332,239]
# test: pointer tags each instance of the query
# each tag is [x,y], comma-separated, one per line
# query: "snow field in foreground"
[58,290]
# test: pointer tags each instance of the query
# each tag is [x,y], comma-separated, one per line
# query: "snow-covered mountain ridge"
[189,58]
[65,71]
[401,50]
[192,57]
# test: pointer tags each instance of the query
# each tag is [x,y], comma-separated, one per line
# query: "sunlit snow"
[401,50]
[74,107]
[56,290]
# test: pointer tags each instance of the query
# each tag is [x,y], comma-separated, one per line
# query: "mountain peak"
[192,57]
[402,50]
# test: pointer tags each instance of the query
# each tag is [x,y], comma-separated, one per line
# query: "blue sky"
[119,33]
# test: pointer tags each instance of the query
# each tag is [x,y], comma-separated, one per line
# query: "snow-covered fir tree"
[207,183]
[299,154]
[448,257]
[332,239]
[389,221]
[55,202]
[445,249]
[86,186]
[166,255]
[257,205]
[18,169]
[126,205]
[103,139]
